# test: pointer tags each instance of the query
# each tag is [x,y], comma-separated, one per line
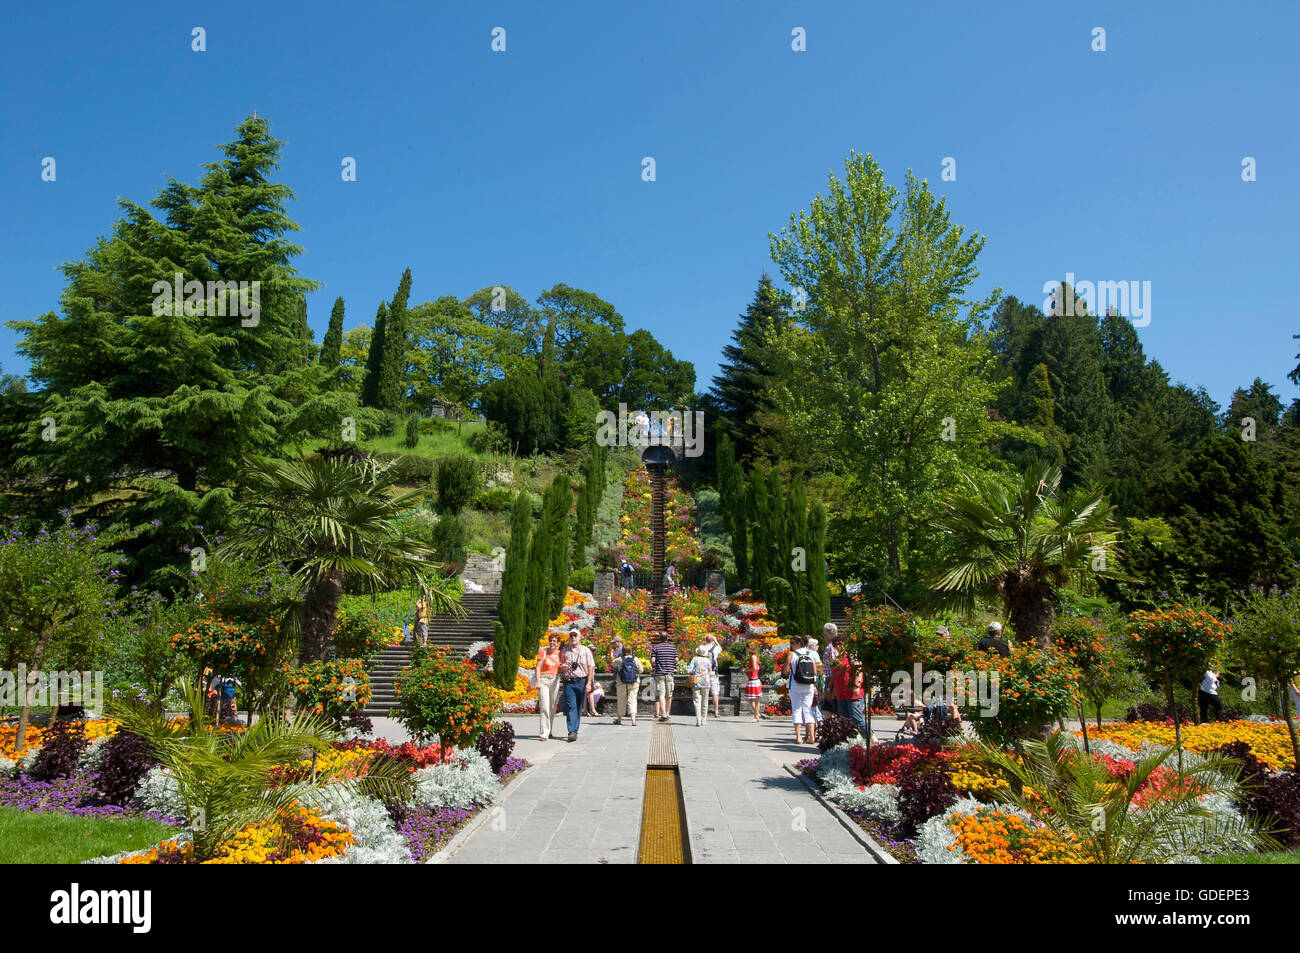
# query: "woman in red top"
[849,692]
[754,686]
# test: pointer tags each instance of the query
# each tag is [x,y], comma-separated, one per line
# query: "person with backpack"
[627,573]
[664,656]
[700,673]
[627,676]
[715,688]
[803,686]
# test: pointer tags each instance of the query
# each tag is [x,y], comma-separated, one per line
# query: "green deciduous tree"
[887,375]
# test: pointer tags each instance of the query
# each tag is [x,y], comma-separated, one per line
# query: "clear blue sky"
[524,168]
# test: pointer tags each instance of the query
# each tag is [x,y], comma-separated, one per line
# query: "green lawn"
[1275,857]
[441,444]
[27,838]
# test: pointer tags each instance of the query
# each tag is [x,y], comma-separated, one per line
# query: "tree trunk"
[1289,710]
[1083,723]
[25,712]
[319,613]
[1178,734]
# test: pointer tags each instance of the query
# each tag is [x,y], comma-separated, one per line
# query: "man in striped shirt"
[664,656]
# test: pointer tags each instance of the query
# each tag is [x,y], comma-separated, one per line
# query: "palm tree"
[1077,798]
[225,779]
[331,522]
[1020,542]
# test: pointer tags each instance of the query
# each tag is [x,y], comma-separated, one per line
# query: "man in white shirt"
[1208,696]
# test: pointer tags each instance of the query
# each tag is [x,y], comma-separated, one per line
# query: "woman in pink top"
[548,681]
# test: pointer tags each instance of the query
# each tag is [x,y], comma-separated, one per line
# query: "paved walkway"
[742,807]
[580,805]
[581,802]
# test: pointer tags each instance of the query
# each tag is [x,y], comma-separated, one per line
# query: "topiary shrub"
[457,483]
[496,744]
[441,694]
[923,796]
[1147,711]
[412,437]
[359,635]
[125,759]
[834,731]
[449,538]
[62,745]
[331,689]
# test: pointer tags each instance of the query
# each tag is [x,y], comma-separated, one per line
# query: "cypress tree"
[818,607]
[537,589]
[778,543]
[390,393]
[375,358]
[331,348]
[760,527]
[556,520]
[510,616]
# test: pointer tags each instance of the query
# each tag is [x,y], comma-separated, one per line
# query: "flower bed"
[903,805]
[298,836]
[1269,741]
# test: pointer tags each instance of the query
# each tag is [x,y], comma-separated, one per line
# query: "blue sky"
[478,168]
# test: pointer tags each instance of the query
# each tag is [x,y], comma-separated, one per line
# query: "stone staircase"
[838,605]
[444,629]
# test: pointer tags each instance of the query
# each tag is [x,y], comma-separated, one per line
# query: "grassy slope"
[27,838]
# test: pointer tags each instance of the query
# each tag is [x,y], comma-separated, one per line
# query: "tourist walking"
[802,672]
[1208,696]
[664,665]
[615,653]
[627,678]
[578,672]
[815,648]
[832,651]
[849,691]
[547,676]
[701,678]
[715,687]
[754,683]
[626,571]
[422,620]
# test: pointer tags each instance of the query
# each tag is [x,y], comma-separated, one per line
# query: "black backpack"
[805,670]
[627,673]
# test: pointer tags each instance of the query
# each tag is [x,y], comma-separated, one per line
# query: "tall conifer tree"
[331,347]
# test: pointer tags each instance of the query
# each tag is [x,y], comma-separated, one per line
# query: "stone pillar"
[603,587]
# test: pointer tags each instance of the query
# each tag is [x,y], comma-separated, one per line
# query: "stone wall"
[481,570]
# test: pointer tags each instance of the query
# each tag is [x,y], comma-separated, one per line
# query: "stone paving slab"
[581,804]
[741,805]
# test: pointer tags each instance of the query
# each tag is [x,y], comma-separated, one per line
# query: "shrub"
[1252,771]
[457,483]
[62,745]
[412,437]
[1148,711]
[467,780]
[332,688]
[491,439]
[1277,805]
[938,730]
[442,695]
[495,499]
[449,538]
[496,744]
[834,731]
[923,796]
[1036,687]
[125,759]
[359,635]
[583,578]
